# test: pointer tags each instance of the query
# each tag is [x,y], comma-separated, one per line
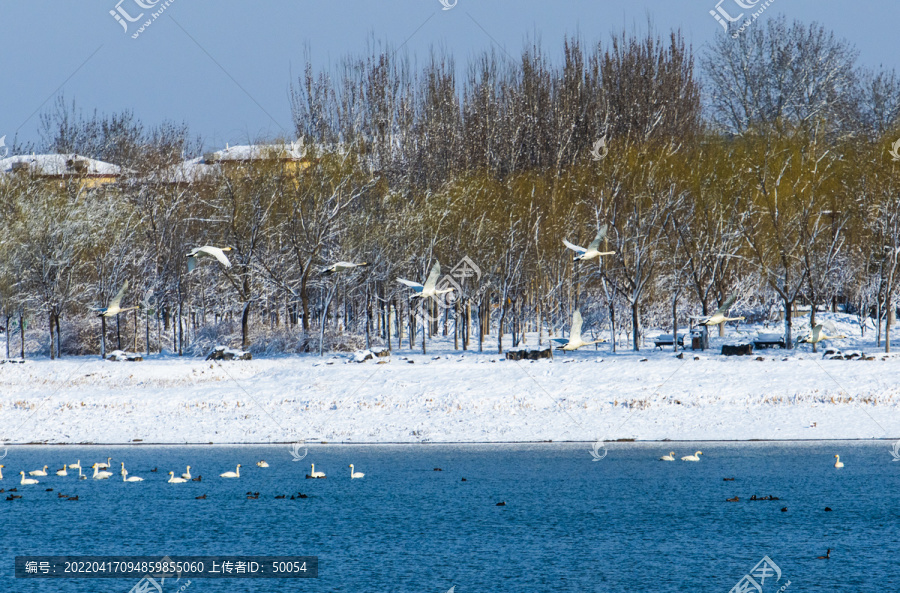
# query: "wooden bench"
[768,341]
[668,340]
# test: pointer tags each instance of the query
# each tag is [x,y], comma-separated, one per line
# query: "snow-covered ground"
[450,396]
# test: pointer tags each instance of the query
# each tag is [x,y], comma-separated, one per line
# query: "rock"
[380,352]
[226,353]
[737,350]
[362,356]
[760,358]
[523,353]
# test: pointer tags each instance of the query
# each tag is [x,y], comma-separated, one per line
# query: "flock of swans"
[696,457]
[101,473]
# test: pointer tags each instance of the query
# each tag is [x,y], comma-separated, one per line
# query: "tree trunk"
[118,332]
[612,324]
[245,323]
[58,336]
[636,325]
[103,337]
[888,313]
[788,324]
[50,319]
[812,322]
[480,326]
[500,328]
[7,335]
[22,334]
[675,322]
[180,333]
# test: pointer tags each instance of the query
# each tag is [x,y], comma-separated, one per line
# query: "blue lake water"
[625,523]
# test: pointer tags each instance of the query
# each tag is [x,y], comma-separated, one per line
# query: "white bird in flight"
[114,307]
[430,287]
[817,334]
[574,342]
[341,266]
[593,250]
[719,316]
[216,252]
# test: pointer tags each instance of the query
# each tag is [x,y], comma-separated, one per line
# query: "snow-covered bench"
[768,340]
[667,340]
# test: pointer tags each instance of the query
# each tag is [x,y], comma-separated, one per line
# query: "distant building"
[292,155]
[89,172]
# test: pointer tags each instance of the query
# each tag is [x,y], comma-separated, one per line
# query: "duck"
[838,463]
[828,509]
[99,475]
[102,465]
[62,472]
[501,504]
[694,457]
[341,266]
[39,472]
[154,470]
[76,465]
[669,457]
[314,474]
[13,496]
[125,478]
[114,307]
[26,481]
[728,479]
[252,496]
[355,474]
[783,509]
[72,498]
[429,289]
[201,497]
[735,499]
[235,474]
[187,474]
[592,251]
[197,479]
[827,555]
[210,251]
[575,341]
[262,463]
[280,496]
[174,480]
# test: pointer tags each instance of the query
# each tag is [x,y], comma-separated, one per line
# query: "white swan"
[62,472]
[75,465]
[592,251]
[575,341]
[39,472]
[314,473]
[235,474]
[209,250]
[694,457]
[1,471]
[25,481]
[187,475]
[125,478]
[817,335]
[99,475]
[102,465]
[80,476]
[355,474]
[429,289]
[174,480]
[838,463]
[262,464]
[341,266]
[669,457]
[114,307]
[719,316]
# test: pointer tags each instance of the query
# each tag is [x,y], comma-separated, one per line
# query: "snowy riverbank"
[451,397]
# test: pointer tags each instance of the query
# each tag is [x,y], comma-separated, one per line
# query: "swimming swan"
[174,480]
[669,457]
[694,457]
[838,463]
[99,475]
[187,475]
[355,474]
[125,478]
[235,474]
[39,472]
[25,481]
[314,473]
[62,472]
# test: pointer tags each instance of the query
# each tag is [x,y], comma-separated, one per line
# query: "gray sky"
[225,67]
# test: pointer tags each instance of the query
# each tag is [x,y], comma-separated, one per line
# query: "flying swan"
[207,250]
[575,341]
[593,250]
[429,289]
